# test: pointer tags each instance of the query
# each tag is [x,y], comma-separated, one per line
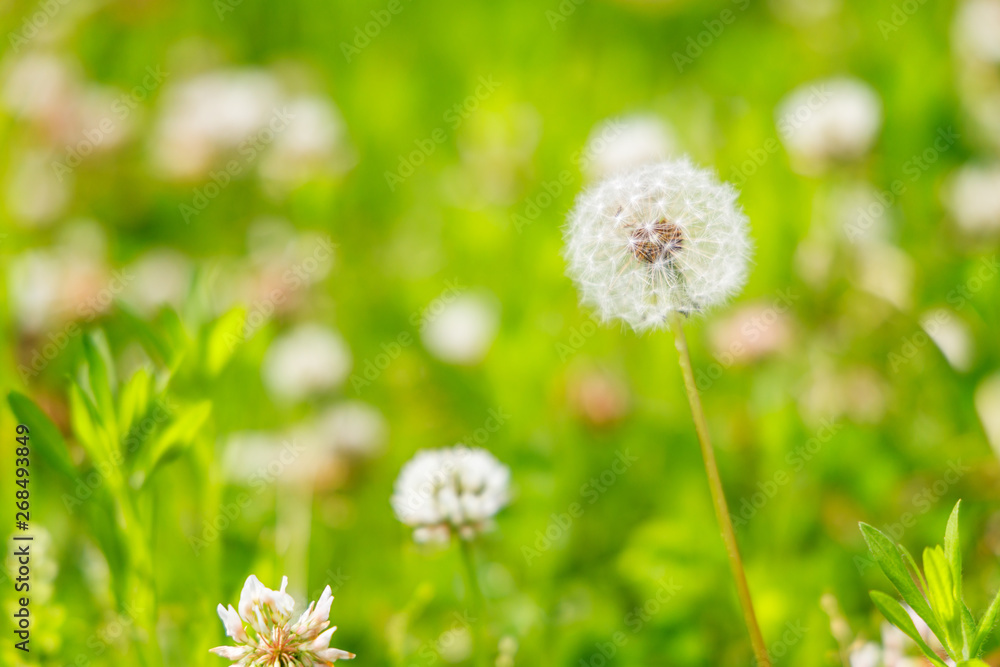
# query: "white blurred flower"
[314,143]
[353,428]
[988,407]
[751,332]
[867,655]
[309,359]
[209,116]
[622,144]
[264,633]
[887,272]
[976,30]
[464,328]
[951,336]
[40,87]
[35,194]
[161,277]
[455,490]
[829,121]
[972,196]
[804,12]
[663,238]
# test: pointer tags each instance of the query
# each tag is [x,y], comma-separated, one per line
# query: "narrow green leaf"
[223,338]
[915,570]
[155,344]
[940,592]
[44,436]
[100,378]
[891,563]
[181,432]
[972,663]
[133,400]
[986,624]
[895,614]
[953,550]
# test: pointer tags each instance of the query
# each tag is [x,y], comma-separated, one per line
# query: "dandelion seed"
[456,490]
[660,239]
[621,144]
[264,633]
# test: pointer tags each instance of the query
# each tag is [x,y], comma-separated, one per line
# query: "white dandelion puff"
[661,239]
[454,490]
[829,121]
[265,634]
[308,360]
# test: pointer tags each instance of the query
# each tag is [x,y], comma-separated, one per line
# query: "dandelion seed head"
[455,490]
[265,634]
[663,238]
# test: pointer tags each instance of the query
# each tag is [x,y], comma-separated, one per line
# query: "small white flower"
[455,490]
[314,143]
[663,238]
[621,144]
[972,196]
[308,360]
[263,630]
[976,30]
[463,330]
[161,277]
[353,428]
[829,121]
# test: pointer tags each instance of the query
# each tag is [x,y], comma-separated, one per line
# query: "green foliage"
[940,604]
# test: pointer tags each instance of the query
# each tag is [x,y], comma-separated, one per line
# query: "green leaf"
[44,435]
[986,624]
[915,570]
[181,432]
[100,378]
[941,593]
[155,344]
[895,614]
[133,400]
[223,338]
[972,663]
[953,550]
[887,555]
[90,434]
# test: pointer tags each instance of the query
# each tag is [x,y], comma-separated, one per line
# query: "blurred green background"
[847,400]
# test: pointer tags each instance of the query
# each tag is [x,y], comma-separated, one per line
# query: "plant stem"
[475,598]
[718,494]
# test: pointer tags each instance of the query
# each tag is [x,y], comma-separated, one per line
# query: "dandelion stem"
[718,494]
[475,599]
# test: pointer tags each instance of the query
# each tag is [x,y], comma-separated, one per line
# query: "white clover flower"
[353,428]
[972,196]
[161,277]
[314,143]
[452,490]
[976,30]
[263,630]
[621,144]
[829,121]
[463,330]
[663,238]
[308,360]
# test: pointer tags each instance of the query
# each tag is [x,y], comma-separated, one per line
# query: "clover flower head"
[309,359]
[829,121]
[265,634]
[452,490]
[663,238]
